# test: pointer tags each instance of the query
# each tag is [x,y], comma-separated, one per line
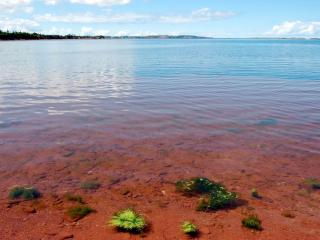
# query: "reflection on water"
[61,77]
[157,88]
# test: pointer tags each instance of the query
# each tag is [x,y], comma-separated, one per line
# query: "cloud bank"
[204,14]
[296,28]
[102,2]
[14,5]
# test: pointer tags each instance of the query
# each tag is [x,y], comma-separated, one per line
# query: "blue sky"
[217,18]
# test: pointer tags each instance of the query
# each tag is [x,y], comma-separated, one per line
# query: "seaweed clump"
[128,221]
[197,185]
[313,183]
[252,222]
[74,198]
[189,228]
[220,198]
[78,212]
[214,195]
[90,185]
[255,193]
[24,192]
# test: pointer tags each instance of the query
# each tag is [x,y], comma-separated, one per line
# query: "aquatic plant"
[73,198]
[197,185]
[90,185]
[128,221]
[214,195]
[189,228]
[218,198]
[252,222]
[267,122]
[255,194]
[78,212]
[24,192]
[313,183]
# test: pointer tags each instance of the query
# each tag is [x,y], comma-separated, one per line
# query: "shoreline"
[16,36]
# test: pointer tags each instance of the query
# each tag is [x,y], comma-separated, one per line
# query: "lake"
[138,115]
[152,88]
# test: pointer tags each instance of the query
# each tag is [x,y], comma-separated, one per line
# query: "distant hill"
[6,35]
[159,37]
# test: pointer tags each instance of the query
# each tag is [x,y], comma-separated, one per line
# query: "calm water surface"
[155,88]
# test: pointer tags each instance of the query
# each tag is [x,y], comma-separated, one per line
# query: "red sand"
[140,174]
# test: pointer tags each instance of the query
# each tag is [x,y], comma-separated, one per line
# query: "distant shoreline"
[7,36]
[13,36]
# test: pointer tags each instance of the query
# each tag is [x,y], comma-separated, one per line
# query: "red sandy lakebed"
[140,173]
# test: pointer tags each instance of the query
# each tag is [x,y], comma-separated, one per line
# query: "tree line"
[15,35]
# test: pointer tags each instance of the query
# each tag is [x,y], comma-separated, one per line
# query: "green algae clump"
[313,183]
[128,221]
[252,222]
[24,192]
[189,228]
[214,196]
[78,212]
[217,199]
[197,185]
[74,198]
[255,193]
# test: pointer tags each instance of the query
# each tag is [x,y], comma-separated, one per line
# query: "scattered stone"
[69,153]
[162,204]
[162,174]
[91,185]
[288,214]
[114,181]
[124,191]
[65,236]
[205,230]
[14,202]
[137,195]
[51,233]
[29,210]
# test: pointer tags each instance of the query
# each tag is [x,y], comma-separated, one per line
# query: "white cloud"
[91,18]
[28,9]
[206,14]
[203,14]
[57,31]
[296,28]
[88,31]
[122,33]
[13,5]
[102,2]
[25,25]
[51,2]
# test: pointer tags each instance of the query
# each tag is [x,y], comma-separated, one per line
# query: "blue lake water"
[163,87]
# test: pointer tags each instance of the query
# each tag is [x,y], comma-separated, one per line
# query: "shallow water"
[154,88]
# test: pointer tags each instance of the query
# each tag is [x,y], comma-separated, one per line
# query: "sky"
[213,18]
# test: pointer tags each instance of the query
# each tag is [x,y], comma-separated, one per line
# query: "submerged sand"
[141,172]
